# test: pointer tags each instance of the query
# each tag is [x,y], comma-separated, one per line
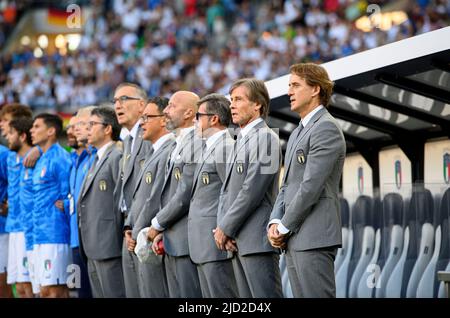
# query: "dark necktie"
[127,143]
[300,128]
[95,161]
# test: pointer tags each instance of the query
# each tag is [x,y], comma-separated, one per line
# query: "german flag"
[57,17]
[65,118]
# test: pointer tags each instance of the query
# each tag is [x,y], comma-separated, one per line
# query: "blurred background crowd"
[197,45]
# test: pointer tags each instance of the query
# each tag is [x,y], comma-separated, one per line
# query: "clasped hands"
[276,239]
[223,241]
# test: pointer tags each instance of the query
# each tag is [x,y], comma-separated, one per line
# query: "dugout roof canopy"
[396,94]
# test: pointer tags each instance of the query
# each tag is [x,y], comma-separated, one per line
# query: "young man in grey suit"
[182,276]
[249,192]
[306,218]
[147,193]
[100,221]
[129,103]
[214,266]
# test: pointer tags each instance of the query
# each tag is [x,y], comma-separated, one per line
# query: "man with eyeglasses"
[100,220]
[129,103]
[214,266]
[147,194]
[171,220]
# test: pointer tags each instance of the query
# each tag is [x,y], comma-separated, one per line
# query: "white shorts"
[4,242]
[17,259]
[32,271]
[51,263]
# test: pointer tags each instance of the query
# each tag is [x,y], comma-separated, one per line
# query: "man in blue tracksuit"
[19,142]
[82,158]
[51,228]
[5,290]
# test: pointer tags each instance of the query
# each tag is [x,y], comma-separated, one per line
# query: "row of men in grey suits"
[214,201]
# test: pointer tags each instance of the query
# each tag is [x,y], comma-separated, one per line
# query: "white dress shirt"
[244,131]
[214,137]
[102,150]
[158,144]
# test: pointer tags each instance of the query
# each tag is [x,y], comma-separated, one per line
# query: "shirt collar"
[212,139]
[183,133]
[102,150]
[158,144]
[310,115]
[244,131]
[133,132]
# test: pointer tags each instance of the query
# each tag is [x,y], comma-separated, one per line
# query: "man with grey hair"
[182,276]
[100,220]
[214,266]
[249,192]
[129,103]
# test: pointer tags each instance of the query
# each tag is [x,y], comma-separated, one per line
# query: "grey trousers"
[130,272]
[311,273]
[182,277]
[152,278]
[106,278]
[217,279]
[258,275]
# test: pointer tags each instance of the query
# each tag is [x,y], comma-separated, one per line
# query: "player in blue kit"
[5,290]
[51,231]
[19,142]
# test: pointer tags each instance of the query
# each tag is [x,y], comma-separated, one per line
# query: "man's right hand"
[155,245]
[276,239]
[4,208]
[131,244]
[30,160]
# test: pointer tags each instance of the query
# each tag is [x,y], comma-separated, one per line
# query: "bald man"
[170,223]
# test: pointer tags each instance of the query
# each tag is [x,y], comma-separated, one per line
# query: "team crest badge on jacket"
[102,185]
[301,158]
[177,174]
[205,178]
[148,177]
[239,167]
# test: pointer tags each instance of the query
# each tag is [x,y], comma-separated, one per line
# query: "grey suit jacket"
[129,176]
[147,192]
[208,179]
[308,203]
[176,196]
[100,221]
[250,189]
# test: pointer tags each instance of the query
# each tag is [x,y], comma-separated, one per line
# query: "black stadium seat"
[443,262]
[370,272]
[361,217]
[345,223]
[428,285]
[419,211]
[391,239]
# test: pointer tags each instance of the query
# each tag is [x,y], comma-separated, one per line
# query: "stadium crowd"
[197,45]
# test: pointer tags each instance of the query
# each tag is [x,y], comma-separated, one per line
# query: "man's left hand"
[152,233]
